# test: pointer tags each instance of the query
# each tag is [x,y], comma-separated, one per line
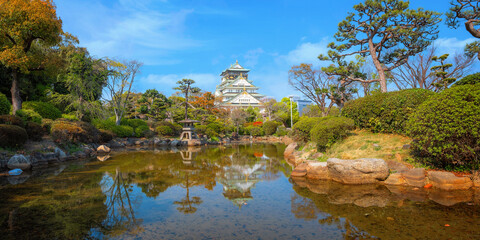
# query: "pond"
[224,192]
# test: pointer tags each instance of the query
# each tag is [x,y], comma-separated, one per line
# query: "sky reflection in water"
[233,192]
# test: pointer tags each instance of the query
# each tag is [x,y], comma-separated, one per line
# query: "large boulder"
[414,177]
[299,171]
[288,153]
[448,181]
[175,143]
[102,149]
[19,161]
[358,171]
[60,153]
[317,170]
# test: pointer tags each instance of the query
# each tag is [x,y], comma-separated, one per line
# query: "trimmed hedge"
[28,115]
[70,117]
[270,127]
[331,130]
[469,80]
[446,128]
[105,135]
[164,130]
[47,125]
[11,120]
[281,131]
[385,112]
[4,105]
[255,131]
[142,130]
[65,131]
[34,131]
[109,124]
[46,110]
[301,129]
[12,136]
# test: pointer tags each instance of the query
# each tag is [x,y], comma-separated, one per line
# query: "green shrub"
[270,127]
[211,133]
[134,123]
[4,105]
[216,126]
[201,129]
[11,120]
[47,125]
[385,112]
[446,128]
[71,117]
[164,130]
[65,131]
[105,135]
[281,131]
[331,130]
[46,110]
[177,128]
[469,80]
[28,115]
[141,131]
[255,131]
[12,136]
[301,129]
[109,124]
[34,131]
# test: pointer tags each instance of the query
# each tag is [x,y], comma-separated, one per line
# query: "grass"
[364,144]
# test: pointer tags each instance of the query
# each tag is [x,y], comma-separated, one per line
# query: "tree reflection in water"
[186,203]
[120,214]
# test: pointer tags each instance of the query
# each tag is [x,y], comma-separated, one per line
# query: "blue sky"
[198,39]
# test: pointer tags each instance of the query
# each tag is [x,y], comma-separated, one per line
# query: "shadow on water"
[238,191]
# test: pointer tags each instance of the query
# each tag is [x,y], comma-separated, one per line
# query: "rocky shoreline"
[378,171]
[50,153]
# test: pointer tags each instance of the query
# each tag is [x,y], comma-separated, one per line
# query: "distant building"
[301,104]
[236,90]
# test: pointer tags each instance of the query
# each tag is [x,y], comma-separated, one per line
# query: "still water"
[231,192]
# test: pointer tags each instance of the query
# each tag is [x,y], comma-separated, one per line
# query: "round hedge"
[11,120]
[28,115]
[301,129]
[66,131]
[446,128]
[385,112]
[46,110]
[4,104]
[164,130]
[469,80]
[34,131]
[12,136]
[255,131]
[270,127]
[330,131]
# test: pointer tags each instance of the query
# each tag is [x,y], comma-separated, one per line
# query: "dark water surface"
[232,192]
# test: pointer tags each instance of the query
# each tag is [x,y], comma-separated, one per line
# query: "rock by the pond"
[103,149]
[116,144]
[299,171]
[317,170]
[358,171]
[175,143]
[60,153]
[476,179]
[288,153]
[19,161]
[448,181]
[395,179]
[414,177]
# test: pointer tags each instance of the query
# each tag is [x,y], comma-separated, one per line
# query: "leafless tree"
[417,72]
[313,84]
[119,85]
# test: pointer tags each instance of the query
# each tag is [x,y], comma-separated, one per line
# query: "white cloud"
[305,53]
[452,45]
[252,56]
[129,29]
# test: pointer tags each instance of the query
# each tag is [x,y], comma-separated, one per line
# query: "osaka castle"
[236,90]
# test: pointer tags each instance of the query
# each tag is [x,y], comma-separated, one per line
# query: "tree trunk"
[15,90]
[118,118]
[378,66]
[186,105]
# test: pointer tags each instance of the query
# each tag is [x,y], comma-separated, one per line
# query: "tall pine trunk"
[15,90]
[378,66]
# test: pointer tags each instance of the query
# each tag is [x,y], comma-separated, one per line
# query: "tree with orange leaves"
[24,23]
[205,101]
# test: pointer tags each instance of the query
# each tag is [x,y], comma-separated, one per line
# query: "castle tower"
[236,90]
